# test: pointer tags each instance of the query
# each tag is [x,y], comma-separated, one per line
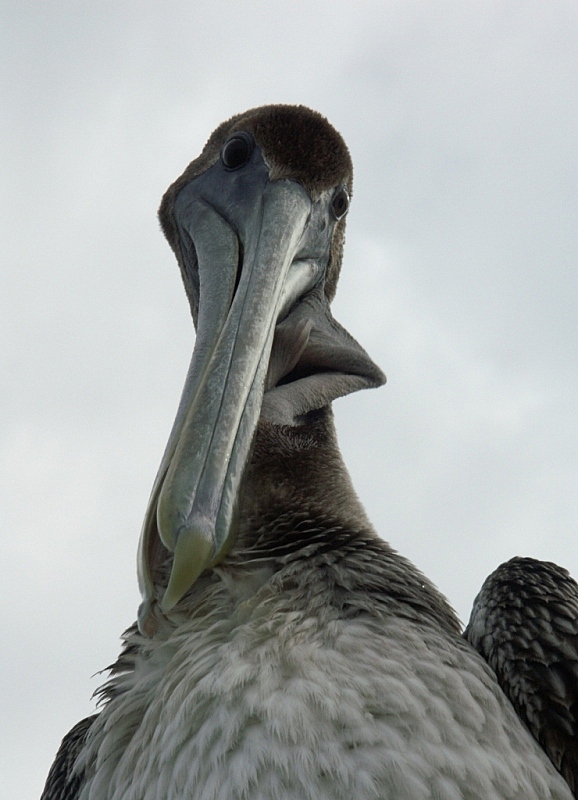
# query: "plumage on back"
[525,624]
[64,782]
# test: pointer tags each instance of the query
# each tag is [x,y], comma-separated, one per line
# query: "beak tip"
[193,553]
[169,601]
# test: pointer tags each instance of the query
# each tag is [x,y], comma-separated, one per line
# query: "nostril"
[239,268]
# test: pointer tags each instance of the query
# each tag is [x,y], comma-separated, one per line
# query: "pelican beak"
[252,248]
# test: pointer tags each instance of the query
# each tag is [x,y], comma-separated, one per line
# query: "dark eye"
[340,203]
[237,151]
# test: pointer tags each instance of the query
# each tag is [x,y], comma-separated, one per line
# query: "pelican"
[283,651]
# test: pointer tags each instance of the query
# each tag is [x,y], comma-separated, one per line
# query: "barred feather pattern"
[525,624]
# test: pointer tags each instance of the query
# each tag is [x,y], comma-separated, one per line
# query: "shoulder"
[63,783]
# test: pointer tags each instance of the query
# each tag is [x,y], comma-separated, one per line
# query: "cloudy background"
[459,279]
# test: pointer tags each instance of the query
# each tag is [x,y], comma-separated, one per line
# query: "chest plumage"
[274,687]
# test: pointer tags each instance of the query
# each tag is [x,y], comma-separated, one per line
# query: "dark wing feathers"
[62,783]
[525,625]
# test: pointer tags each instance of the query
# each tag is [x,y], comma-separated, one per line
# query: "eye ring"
[340,203]
[237,150]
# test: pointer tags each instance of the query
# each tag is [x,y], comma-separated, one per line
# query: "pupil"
[340,203]
[235,152]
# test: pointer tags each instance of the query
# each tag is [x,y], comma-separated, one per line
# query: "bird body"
[314,662]
[283,650]
[277,696]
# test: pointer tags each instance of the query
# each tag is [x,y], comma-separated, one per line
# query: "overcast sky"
[459,279]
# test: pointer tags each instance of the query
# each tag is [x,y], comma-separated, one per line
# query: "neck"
[297,471]
[297,506]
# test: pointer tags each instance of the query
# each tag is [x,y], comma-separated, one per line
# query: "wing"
[524,623]
[62,783]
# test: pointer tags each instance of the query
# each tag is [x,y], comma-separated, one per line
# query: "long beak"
[248,277]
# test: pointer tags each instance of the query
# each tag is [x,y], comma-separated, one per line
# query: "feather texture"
[311,674]
[525,624]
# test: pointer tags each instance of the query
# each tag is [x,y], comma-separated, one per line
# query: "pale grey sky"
[459,279]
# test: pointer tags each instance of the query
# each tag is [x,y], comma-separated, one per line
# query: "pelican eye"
[237,151]
[340,203]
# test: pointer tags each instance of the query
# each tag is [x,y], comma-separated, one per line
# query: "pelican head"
[257,225]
